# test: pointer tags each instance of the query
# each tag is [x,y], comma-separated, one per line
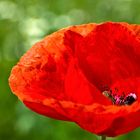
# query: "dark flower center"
[123,99]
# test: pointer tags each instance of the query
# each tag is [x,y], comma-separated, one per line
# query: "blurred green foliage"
[22,23]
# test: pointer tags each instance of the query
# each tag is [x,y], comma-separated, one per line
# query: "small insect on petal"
[120,99]
[109,95]
[130,98]
[106,93]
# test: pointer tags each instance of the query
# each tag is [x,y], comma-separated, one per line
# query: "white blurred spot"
[34,26]
[34,29]
[8,10]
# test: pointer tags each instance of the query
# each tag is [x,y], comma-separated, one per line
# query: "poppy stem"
[103,137]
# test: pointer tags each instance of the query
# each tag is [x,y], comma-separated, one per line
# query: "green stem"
[103,137]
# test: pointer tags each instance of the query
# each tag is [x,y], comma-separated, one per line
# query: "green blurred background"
[24,22]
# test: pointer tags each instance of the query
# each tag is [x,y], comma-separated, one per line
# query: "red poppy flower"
[88,74]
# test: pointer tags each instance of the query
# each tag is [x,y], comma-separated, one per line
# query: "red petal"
[53,112]
[46,72]
[136,29]
[109,53]
[98,119]
[79,90]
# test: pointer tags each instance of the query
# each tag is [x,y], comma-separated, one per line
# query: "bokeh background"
[24,22]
